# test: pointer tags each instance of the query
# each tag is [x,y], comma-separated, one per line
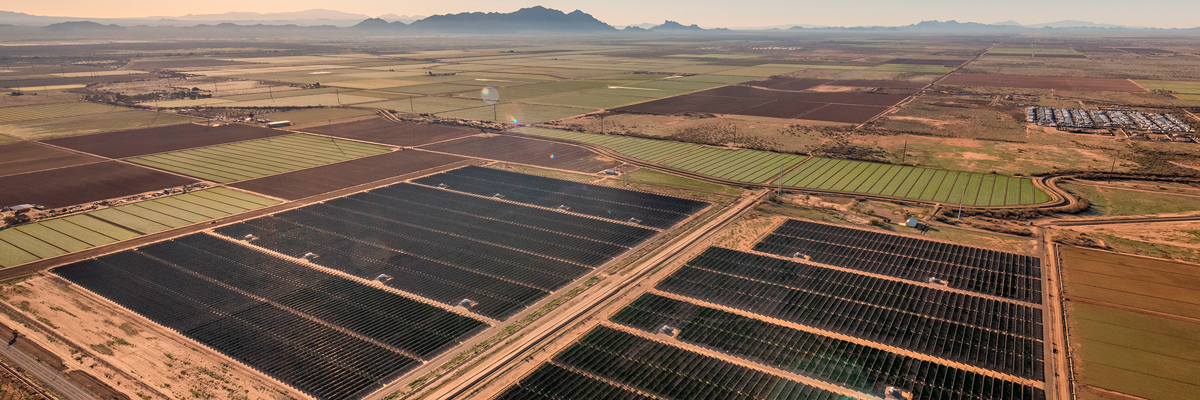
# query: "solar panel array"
[446,246]
[606,356]
[861,333]
[599,201]
[974,269]
[1005,338]
[856,366]
[325,335]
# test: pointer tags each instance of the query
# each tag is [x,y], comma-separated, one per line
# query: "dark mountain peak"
[531,19]
[81,26]
[378,23]
[669,25]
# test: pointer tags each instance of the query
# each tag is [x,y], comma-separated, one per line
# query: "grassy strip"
[509,330]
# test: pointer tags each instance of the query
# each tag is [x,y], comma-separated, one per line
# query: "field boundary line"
[848,338]
[738,360]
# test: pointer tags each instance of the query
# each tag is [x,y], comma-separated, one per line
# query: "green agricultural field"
[913,183]
[588,99]
[1179,87]
[642,149]
[735,165]
[26,113]
[725,79]
[762,71]
[424,105]
[434,88]
[58,236]
[1137,353]
[516,112]
[674,85]
[1118,202]
[119,119]
[255,158]
[300,117]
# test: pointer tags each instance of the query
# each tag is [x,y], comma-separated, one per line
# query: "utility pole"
[904,153]
[410,105]
[601,124]
[1113,170]
[495,114]
[961,199]
[338,93]
[334,141]
[780,192]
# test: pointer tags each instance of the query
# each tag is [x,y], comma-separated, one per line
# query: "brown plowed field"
[380,130]
[921,61]
[139,142]
[1043,82]
[855,107]
[1037,55]
[697,103]
[84,183]
[879,83]
[791,109]
[527,151]
[314,181]
[797,84]
[33,84]
[22,157]
[847,113]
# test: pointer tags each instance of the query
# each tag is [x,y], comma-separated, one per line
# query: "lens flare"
[551,156]
[516,122]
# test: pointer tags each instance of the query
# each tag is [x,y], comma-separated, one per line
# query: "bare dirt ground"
[154,355]
[832,89]
[1183,234]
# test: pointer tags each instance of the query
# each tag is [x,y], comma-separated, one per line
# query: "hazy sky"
[707,13]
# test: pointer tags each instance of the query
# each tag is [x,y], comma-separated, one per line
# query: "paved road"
[51,376]
[585,305]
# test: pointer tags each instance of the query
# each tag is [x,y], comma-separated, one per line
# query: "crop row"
[737,165]
[877,317]
[914,183]
[862,368]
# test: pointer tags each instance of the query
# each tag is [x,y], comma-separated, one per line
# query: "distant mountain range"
[532,20]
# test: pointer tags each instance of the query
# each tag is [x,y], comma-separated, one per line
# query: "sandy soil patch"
[151,353]
[929,121]
[831,89]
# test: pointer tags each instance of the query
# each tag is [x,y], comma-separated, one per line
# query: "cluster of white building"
[1132,120]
